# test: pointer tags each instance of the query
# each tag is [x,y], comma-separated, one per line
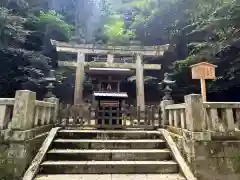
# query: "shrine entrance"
[108,99]
[109,110]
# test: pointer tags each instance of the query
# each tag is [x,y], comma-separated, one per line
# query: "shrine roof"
[106,49]
[111,94]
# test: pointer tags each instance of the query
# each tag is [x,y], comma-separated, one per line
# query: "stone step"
[111,177]
[109,144]
[109,155]
[108,134]
[108,167]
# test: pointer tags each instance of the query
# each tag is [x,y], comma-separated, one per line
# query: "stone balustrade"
[176,115]
[25,112]
[222,116]
[6,111]
[24,124]
[207,135]
[212,118]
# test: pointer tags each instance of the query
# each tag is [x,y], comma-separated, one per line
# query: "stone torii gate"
[136,51]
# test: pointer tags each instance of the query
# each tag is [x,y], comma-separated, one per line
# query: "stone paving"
[113,177]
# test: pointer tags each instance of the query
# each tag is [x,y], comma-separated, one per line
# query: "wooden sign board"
[203,70]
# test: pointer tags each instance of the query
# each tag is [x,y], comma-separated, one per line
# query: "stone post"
[56,108]
[110,58]
[195,118]
[79,80]
[3,116]
[24,107]
[163,104]
[140,83]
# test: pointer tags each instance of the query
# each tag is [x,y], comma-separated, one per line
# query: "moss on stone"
[236,163]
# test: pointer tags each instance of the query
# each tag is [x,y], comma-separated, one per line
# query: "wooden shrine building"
[110,73]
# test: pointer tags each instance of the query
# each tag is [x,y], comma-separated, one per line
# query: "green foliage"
[197,28]
[19,67]
[208,29]
[24,38]
[116,31]
[11,28]
[54,21]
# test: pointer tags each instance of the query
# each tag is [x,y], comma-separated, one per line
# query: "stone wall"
[207,134]
[211,160]
[17,149]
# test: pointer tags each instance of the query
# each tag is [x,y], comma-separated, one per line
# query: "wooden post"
[203,89]
[203,71]
[78,94]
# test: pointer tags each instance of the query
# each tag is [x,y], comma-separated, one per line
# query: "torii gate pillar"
[79,79]
[140,82]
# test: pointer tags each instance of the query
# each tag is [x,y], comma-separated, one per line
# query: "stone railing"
[207,135]
[197,116]
[44,113]
[222,116]
[24,124]
[6,111]
[175,114]
[25,112]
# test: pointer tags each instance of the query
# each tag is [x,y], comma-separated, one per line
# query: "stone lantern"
[166,86]
[50,80]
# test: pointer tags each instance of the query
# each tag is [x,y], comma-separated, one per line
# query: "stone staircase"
[97,154]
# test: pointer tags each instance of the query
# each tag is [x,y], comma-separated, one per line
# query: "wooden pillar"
[140,82]
[79,80]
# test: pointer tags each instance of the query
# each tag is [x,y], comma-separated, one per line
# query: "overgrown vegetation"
[23,35]
[195,29]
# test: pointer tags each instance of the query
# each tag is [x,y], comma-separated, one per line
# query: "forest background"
[194,29]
